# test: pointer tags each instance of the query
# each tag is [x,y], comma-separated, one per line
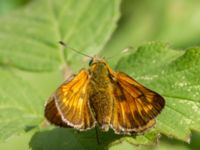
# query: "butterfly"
[103,97]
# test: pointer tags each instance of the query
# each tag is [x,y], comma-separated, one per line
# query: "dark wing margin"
[52,114]
[135,107]
[72,103]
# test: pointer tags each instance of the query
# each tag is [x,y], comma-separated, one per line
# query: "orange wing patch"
[135,106]
[71,100]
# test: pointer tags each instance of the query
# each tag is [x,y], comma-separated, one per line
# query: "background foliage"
[32,62]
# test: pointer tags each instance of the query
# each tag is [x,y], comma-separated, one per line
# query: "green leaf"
[175,75]
[164,144]
[29,37]
[21,106]
[59,138]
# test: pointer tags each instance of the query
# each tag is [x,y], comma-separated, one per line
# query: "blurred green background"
[173,21]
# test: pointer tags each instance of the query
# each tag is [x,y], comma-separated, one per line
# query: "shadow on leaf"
[61,139]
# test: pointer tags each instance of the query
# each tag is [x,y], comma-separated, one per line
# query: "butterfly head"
[96,60]
[98,66]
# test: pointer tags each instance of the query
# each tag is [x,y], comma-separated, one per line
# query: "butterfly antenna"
[125,50]
[66,46]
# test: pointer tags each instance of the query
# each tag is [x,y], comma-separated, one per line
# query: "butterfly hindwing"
[52,114]
[71,100]
[135,106]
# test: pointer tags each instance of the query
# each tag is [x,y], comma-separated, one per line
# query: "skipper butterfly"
[99,95]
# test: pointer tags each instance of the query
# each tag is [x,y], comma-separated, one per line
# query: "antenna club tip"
[62,43]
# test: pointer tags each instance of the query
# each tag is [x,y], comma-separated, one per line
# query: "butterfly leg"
[97,135]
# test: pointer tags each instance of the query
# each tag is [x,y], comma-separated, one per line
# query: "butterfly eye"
[90,62]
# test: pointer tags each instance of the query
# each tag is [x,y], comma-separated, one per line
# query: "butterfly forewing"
[150,99]
[135,106]
[71,100]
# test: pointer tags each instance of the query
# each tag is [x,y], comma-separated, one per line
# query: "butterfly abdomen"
[101,104]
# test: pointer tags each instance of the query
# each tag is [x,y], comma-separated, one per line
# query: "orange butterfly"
[104,97]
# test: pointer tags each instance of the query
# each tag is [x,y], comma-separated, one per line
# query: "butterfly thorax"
[100,97]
